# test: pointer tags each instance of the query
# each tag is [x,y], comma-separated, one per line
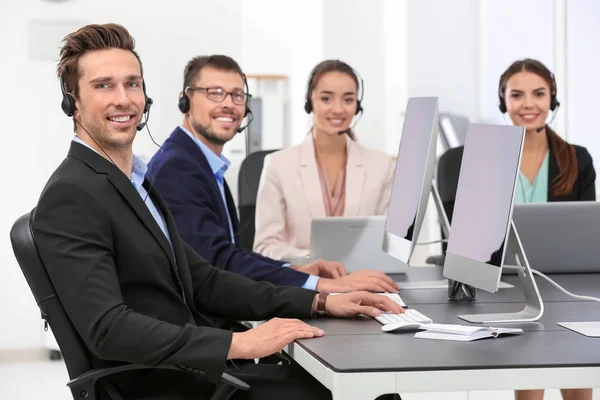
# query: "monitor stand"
[443,218]
[441,283]
[534,306]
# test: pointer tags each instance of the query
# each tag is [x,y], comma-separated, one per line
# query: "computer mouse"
[401,327]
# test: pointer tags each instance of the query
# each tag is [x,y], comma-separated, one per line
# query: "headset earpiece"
[502,105]
[359,107]
[147,100]
[554,103]
[308,106]
[68,101]
[184,102]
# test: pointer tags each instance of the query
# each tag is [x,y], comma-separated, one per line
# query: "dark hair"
[562,185]
[90,38]
[217,61]
[332,66]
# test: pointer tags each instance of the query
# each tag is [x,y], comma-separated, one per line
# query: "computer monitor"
[413,178]
[482,227]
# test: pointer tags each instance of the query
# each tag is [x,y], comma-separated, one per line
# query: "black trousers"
[271,381]
[267,381]
[289,382]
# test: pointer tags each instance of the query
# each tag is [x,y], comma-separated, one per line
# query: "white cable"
[434,242]
[590,298]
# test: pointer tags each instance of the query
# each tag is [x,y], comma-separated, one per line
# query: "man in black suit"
[135,292]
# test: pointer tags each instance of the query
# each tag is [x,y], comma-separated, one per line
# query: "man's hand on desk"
[374,281]
[322,268]
[355,303]
[269,338]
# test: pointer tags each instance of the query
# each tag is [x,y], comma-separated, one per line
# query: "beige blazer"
[289,195]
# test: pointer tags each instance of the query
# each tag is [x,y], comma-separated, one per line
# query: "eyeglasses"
[218,95]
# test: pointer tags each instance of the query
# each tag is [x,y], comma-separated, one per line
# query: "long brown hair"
[562,185]
[332,66]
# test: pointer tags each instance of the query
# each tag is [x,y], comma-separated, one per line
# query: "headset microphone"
[146,114]
[554,110]
[250,119]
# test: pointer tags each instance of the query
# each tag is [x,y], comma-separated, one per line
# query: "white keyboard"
[411,316]
[396,297]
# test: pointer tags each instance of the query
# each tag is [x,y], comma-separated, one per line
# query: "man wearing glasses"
[189,174]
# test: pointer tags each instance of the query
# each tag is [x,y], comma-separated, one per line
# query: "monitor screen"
[485,193]
[412,164]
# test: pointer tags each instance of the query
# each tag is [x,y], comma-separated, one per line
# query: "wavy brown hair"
[89,38]
[562,185]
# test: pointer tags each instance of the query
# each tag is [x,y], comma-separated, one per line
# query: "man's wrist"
[320,304]
[235,351]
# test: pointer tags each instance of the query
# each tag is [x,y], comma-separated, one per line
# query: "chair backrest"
[448,171]
[74,351]
[248,180]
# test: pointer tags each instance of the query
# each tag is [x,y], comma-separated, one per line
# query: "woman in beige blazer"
[329,174]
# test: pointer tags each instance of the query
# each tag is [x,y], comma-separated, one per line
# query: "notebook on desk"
[462,333]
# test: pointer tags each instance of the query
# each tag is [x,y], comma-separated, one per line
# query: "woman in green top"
[551,168]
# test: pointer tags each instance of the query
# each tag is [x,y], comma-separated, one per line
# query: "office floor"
[46,380]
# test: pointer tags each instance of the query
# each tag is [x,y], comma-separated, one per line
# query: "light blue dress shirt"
[138,173]
[219,165]
[536,192]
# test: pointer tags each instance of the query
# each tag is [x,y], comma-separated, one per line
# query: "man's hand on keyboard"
[322,268]
[355,303]
[375,281]
[270,337]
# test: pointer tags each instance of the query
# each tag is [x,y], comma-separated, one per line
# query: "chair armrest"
[87,381]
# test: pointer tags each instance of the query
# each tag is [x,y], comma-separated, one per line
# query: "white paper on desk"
[461,333]
[589,329]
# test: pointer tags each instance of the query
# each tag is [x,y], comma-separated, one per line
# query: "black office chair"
[248,180]
[448,171]
[75,353]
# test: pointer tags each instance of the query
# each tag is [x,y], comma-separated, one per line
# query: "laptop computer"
[356,242]
[560,237]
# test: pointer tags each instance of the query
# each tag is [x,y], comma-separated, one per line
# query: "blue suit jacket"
[185,181]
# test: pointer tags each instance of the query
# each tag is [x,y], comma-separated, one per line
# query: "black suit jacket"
[584,188]
[133,296]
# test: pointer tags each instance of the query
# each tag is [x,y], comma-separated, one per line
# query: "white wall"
[287,43]
[353,32]
[583,77]
[509,33]
[443,53]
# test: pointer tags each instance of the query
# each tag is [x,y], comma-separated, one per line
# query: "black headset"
[554,103]
[308,107]
[68,103]
[184,100]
